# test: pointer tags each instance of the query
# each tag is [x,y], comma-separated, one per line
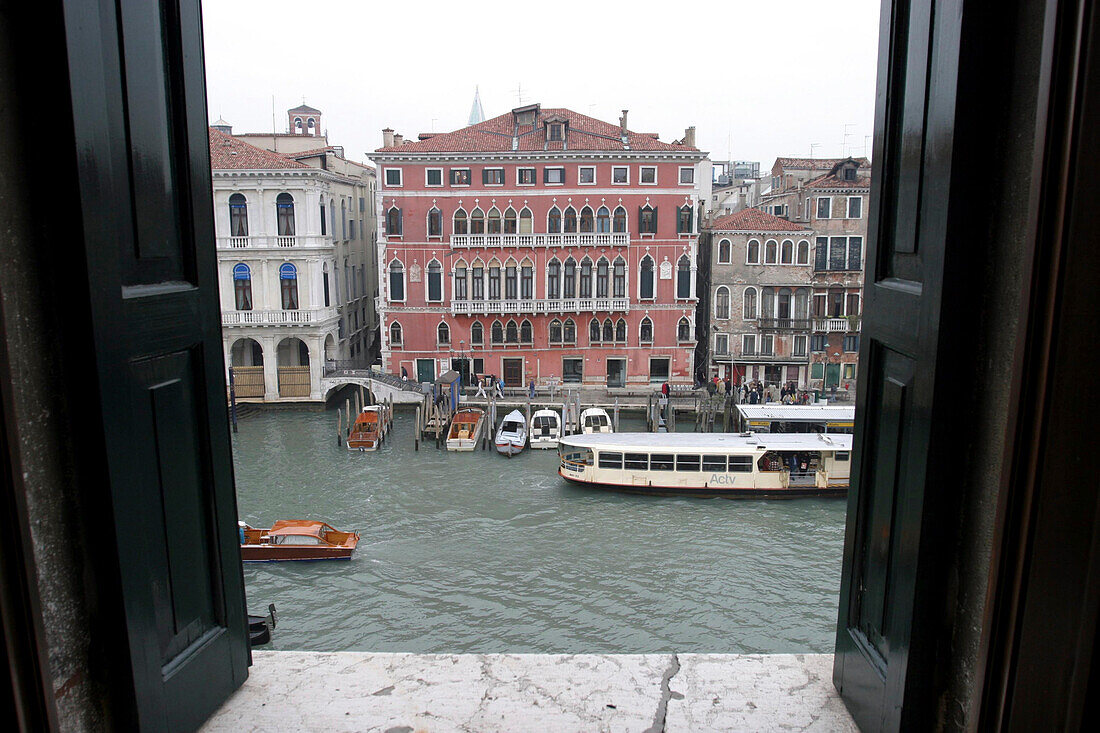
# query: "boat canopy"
[798,413]
[299,527]
[703,442]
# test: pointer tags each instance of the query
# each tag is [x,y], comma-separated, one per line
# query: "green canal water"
[475,552]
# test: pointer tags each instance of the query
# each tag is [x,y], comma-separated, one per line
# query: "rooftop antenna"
[519,94]
[844,143]
[812,146]
[274,134]
[433,123]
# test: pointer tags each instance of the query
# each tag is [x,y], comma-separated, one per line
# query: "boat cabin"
[779,418]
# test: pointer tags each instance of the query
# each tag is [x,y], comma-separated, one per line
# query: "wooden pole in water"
[616,413]
[528,433]
[339,428]
[416,430]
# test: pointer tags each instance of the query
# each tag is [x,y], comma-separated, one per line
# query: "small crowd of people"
[754,392]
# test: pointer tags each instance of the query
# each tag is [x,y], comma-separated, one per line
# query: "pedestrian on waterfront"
[531,389]
[665,389]
[481,388]
[500,388]
[404,374]
[712,387]
[729,386]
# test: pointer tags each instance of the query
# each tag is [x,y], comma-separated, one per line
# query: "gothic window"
[619,223]
[569,279]
[284,206]
[526,281]
[393,222]
[555,331]
[525,333]
[684,220]
[459,286]
[647,220]
[525,221]
[242,286]
[683,278]
[443,334]
[603,220]
[620,331]
[497,333]
[288,286]
[435,222]
[510,281]
[510,223]
[395,334]
[601,277]
[397,281]
[477,281]
[570,220]
[238,216]
[683,330]
[477,221]
[511,333]
[645,331]
[587,224]
[553,221]
[608,331]
[569,332]
[477,334]
[618,278]
[586,278]
[594,331]
[493,221]
[645,279]
[553,279]
[460,222]
[435,282]
[494,280]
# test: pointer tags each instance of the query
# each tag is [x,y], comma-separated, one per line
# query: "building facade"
[293,234]
[542,246]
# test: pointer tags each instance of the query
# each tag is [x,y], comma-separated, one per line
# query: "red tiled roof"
[831,181]
[755,220]
[311,153]
[495,135]
[229,153]
[815,164]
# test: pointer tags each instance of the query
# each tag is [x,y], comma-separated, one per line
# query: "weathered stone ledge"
[403,693]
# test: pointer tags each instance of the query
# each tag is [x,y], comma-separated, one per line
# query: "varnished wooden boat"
[296,539]
[369,428]
[466,427]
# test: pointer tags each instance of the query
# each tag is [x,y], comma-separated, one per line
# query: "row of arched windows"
[561,333]
[284,210]
[558,221]
[564,279]
[288,286]
[767,302]
[772,252]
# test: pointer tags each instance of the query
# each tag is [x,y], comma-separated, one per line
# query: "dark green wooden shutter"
[885,648]
[139,117]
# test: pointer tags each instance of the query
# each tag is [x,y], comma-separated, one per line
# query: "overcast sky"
[758,78]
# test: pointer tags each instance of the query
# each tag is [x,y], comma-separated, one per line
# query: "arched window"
[608,334]
[603,220]
[393,222]
[569,278]
[497,333]
[748,309]
[553,221]
[493,221]
[645,331]
[570,220]
[310,126]
[525,334]
[803,252]
[684,216]
[510,280]
[435,282]
[242,286]
[620,331]
[555,331]
[461,222]
[618,278]
[288,286]
[284,206]
[683,278]
[586,279]
[801,304]
[602,273]
[511,333]
[458,288]
[324,282]
[442,334]
[647,220]
[297,125]
[477,221]
[344,221]
[435,222]
[587,225]
[526,221]
[725,250]
[722,303]
[494,280]
[786,252]
[619,224]
[553,279]
[397,281]
[395,334]
[645,279]
[783,304]
[477,334]
[683,330]
[771,252]
[510,221]
[526,280]
[477,280]
[752,253]
[324,228]
[767,302]
[569,332]
[593,331]
[238,216]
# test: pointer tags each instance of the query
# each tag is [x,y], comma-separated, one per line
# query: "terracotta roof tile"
[495,135]
[815,164]
[229,153]
[755,220]
[831,181]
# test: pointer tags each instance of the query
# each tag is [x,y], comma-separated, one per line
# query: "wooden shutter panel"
[484,176]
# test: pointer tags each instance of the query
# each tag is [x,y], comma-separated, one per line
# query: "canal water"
[475,552]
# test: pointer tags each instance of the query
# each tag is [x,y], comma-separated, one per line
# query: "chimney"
[387,138]
[398,139]
[622,123]
[689,137]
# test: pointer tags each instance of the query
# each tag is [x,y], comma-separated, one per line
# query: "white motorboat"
[595,420]
[545,429]
[466,427]
[512,436]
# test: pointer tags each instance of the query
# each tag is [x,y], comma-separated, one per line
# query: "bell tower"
[304,120]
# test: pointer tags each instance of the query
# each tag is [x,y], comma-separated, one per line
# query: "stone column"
[271,373]
[316,345]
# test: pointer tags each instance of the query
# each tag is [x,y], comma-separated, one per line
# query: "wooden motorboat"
[465,430]
[370,428]
[511,437]
[595,420]
[296,539]
[545,429]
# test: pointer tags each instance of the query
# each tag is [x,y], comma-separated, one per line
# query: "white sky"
[758,78]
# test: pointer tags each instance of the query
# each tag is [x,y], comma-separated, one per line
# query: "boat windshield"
[596,421]
[511,427]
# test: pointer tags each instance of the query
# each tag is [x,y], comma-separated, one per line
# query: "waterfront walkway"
[403,693]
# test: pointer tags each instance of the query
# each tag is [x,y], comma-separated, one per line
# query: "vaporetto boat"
[710,464]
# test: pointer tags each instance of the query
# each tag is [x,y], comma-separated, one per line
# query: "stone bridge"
[385,386]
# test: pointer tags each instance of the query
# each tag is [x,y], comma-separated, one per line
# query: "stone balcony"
[355,691]
[602,239]
[298,241]
[301,317]
[539,306]
[836,325]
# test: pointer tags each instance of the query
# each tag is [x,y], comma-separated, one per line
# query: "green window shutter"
[817,370]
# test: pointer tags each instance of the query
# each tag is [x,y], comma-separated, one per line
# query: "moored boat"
[370,428]
[466,426]
[511,437]
[545,429]
[595,420]
[710,464]
[296,539]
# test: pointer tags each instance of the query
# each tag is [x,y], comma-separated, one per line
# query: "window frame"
[729,251]
[525,169]
[485,176]
[580,171]
[615,168]
[451,177]
[546,175]
[641,175]
[680,175]
[828,201]
[400,177]
[859,201]
[427,182]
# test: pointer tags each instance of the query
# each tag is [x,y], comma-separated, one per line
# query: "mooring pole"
[416,430]
[232,401]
